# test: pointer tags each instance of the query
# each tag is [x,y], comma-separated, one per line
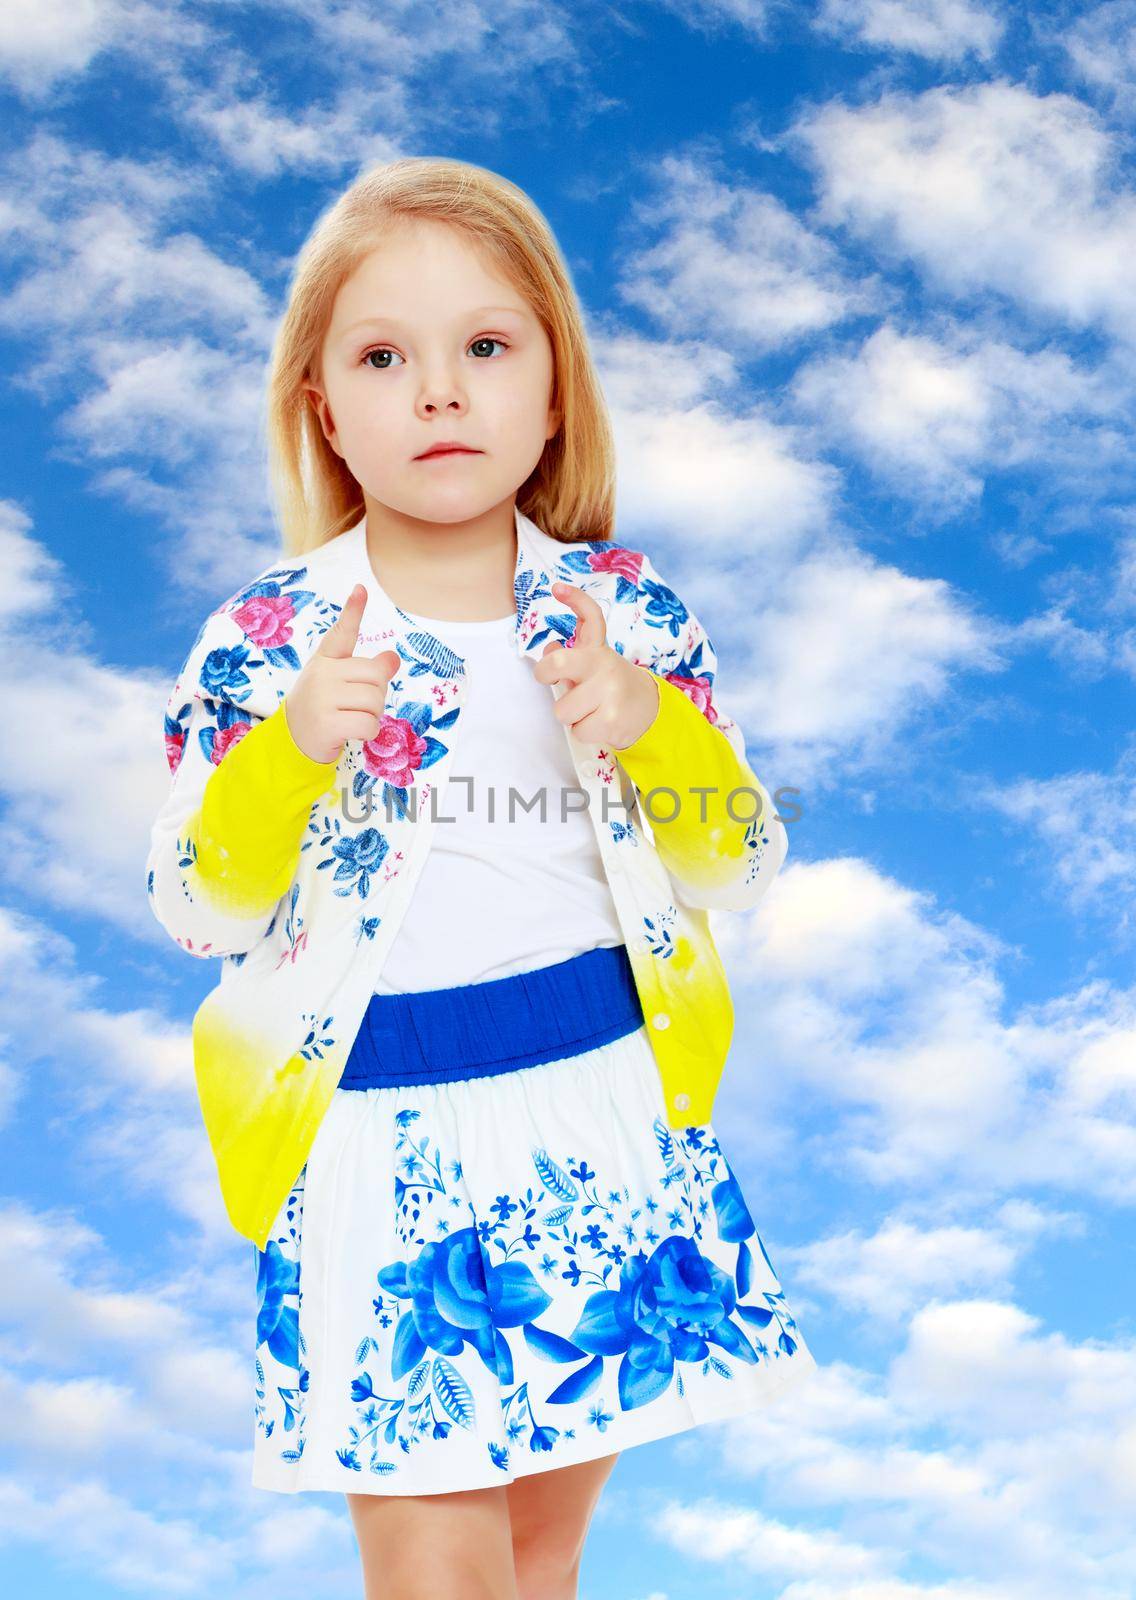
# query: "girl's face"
[426,343]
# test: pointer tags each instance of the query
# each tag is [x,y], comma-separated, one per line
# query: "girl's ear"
[555,418]
[318,401]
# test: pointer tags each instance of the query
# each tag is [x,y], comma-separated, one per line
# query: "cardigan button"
[682,1102]
[588,768]
[661,1020]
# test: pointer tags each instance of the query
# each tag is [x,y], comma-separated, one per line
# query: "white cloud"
[938,30]
[733,265]
[709,480]
[802,677]
[108,788]
[788,605]
[47,45]
[130,1108]
[267,140]
[737,1538]
[36,587]
[1083,653]
[888,1273]
[716,16]
[380,95]
[108,776]
[1083,825]
[1100,42]
[987,189]
[89,1527]
[992,1451]
[938,416]
[156,344]
[885,1021]
[42,41]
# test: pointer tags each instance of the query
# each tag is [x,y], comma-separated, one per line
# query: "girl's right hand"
[340,695]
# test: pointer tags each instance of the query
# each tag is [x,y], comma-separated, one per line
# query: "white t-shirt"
[502,861]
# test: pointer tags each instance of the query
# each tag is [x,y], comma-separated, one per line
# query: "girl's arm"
[225,845]
[725,862]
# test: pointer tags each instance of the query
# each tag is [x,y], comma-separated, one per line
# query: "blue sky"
[858,280]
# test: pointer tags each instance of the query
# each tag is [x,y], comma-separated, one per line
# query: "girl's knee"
[543,1573]
[420,1546]
[459,1574]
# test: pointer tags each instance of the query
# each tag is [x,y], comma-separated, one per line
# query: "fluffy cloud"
[886,1023]
[988,189]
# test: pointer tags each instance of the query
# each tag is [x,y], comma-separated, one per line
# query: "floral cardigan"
[297,873]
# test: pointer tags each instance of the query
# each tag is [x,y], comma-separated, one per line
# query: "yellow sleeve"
[226,842]
[253,813]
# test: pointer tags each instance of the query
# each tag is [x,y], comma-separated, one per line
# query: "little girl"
[453,793]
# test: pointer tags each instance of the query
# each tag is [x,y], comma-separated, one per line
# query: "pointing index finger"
[592,626]
[343,635]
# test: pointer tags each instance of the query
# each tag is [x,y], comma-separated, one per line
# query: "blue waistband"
[477,1030]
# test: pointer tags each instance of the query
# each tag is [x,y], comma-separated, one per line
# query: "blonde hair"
[571,491]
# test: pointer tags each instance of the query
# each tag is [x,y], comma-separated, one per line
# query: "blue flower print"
[317,1040]
[651,1298]
[281,1353]
[277,1324]
[660,941]
[734,1220]
[355,858]
[527,590]
[455,1301]
[424,653]
[671,1305]
[223,672]
[664,609]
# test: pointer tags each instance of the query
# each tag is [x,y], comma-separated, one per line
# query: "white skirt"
[479,1279]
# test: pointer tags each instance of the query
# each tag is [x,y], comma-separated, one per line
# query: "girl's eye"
[384,350]
[379,350]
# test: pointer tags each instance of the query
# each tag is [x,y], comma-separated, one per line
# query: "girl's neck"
[460,572]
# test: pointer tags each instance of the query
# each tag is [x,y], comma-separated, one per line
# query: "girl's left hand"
[612,700]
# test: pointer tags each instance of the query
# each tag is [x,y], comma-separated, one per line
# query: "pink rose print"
[626,563]
[696,689]
[265,620]
[225,738]
[395,753]
[175,749]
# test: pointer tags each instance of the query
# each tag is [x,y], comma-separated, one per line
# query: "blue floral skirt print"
[499,1259]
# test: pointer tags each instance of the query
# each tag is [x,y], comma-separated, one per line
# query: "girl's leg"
[418,1547]
[549,1514]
